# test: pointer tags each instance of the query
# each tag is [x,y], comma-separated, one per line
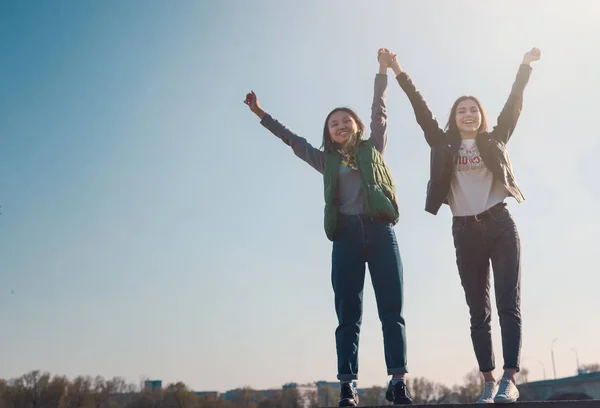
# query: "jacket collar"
[453,141]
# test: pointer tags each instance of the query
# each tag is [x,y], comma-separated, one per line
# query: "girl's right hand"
[253,104]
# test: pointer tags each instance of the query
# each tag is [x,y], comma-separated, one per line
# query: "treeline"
[43,390]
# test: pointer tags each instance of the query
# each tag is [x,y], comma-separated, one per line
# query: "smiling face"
[342,127]
[468,117]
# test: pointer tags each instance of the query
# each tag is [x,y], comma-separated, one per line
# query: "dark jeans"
[361,240]
[494,238]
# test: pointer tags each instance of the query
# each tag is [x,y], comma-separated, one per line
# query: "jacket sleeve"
[507,120]
[425,118]
[379,114]
[300,146]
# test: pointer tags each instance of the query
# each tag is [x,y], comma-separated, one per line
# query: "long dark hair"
[328,144]
[452,127]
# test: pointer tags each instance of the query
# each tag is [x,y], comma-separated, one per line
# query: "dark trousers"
[361,240]
[495,238]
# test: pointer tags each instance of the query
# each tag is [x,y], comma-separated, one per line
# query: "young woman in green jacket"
[361,209]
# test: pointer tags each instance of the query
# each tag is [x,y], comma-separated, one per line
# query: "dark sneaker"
[398,394]
[348,396]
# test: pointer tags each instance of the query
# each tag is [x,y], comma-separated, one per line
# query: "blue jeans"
[360,240]
[494,238]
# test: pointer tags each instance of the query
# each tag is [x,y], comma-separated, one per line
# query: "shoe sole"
[503,401]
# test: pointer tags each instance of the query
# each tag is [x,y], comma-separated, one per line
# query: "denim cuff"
[399,370]
[347,377]
[509,367]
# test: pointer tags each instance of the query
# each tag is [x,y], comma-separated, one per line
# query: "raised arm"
[509,116]
[378,111]
[425,118]
[300,146]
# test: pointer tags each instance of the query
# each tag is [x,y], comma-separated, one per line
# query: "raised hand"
[253,104]
[533,55]
[387,59]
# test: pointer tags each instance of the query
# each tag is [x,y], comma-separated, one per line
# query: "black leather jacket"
[445,146]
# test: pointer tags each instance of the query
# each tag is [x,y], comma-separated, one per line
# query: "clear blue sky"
[151,227]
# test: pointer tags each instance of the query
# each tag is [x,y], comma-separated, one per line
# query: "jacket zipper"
[362,183]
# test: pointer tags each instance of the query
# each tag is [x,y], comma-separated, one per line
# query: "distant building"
[257,394]
[210,395]
[325,392]
[306,392]
[585,385]
[334,385]
[328,392]
[152,385]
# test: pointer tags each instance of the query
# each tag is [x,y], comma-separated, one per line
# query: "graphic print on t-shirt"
[468,157]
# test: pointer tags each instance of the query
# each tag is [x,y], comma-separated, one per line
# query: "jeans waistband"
[481,216]
[362,217]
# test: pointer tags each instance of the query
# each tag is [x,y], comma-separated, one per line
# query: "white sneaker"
[507,392]
[489,391]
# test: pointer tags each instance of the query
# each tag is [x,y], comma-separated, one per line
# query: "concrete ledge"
[528,404]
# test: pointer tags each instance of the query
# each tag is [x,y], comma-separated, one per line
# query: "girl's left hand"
[533,55]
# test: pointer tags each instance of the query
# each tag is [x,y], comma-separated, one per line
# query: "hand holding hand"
[387,59]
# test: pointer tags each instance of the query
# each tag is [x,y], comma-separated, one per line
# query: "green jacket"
[378,187]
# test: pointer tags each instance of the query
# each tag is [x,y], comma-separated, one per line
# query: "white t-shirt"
[473,188]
